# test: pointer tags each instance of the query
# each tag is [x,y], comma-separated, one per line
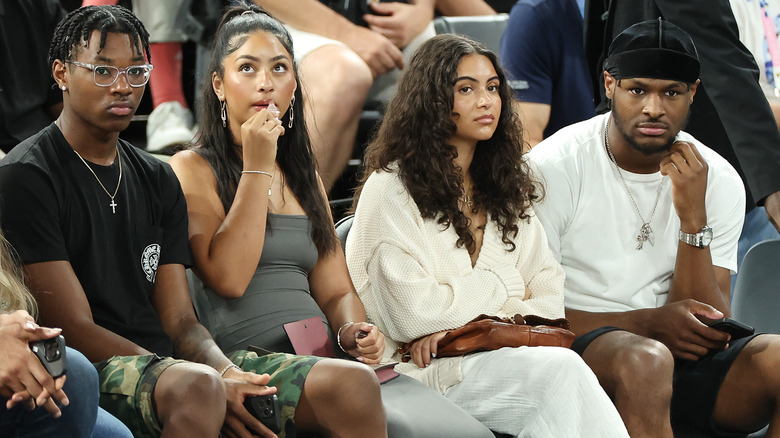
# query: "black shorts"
[696,383]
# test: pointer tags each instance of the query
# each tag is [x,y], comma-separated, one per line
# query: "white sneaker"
[170,124]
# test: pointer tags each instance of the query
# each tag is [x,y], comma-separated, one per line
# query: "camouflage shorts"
[126,387]
[127,384]
[288,373]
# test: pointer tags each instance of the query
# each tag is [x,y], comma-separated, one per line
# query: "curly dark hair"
[294,155]
[73,32]
[415,134]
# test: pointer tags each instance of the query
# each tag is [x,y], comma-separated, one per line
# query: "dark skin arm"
[698,288]
[193,342]
[63,303]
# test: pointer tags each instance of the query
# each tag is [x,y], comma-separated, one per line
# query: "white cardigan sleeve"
[544,276]
[408,272]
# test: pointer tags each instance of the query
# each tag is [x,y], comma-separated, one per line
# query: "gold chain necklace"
[118,157]
[646,231]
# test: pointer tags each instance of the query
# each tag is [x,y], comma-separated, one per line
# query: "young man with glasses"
[101,231]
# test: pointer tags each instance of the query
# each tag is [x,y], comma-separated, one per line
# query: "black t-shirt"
[52,208]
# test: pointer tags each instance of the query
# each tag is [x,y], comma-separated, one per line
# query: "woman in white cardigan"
[444,231]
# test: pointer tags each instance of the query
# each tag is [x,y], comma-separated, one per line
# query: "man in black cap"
[730,114]
[645,221]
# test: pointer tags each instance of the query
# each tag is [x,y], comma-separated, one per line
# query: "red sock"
[98,2]
[165,81]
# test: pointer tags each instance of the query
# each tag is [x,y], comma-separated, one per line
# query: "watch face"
[706,236]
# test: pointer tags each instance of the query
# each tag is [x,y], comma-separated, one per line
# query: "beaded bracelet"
[338,335]
[227,367]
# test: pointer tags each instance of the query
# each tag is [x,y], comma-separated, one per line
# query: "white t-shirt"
[591,222]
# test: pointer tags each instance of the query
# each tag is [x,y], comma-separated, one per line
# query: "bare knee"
[349,384]
[335,71]
[342,398]
[190,396]
[643,365]
[626,363]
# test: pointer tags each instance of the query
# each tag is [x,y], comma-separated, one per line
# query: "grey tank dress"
[278,293]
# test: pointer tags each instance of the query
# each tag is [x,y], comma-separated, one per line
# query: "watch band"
[701,239]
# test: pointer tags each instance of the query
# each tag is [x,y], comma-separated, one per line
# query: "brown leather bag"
[485,333]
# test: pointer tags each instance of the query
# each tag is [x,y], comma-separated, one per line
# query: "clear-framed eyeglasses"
[107,75]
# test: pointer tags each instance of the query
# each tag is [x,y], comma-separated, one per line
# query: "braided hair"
[74,31]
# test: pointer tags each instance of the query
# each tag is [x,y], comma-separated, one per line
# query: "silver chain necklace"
[646,231]
[118,157]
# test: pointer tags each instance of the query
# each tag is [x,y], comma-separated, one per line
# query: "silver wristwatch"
[701,239]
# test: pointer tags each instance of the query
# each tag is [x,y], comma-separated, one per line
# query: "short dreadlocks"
[78,25]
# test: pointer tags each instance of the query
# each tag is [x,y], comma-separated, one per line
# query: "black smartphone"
[51,353]
[266,409]
[736,329]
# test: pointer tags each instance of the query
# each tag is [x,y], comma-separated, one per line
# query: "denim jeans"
[78,418]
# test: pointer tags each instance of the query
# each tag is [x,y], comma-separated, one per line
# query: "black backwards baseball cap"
[655,49]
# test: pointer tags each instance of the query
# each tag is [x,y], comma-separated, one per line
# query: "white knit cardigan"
[414,281]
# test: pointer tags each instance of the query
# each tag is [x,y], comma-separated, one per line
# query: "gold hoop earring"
[223,113]
[292,115]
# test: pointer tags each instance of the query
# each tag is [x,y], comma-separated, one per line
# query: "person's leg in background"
[757,228]
[335,84]
[169,24]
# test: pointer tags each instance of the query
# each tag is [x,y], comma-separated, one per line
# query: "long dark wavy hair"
[294,154]
[415,134]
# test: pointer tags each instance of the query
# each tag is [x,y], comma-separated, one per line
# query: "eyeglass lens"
[106,75]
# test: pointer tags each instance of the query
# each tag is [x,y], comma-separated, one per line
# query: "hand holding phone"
[736,329]
[266,409]
[51,353]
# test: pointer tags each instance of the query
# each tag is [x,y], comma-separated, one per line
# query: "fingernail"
[29,326]
[65,401]
[433,355]
[360,359]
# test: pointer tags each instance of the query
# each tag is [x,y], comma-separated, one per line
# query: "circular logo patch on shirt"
[149,260]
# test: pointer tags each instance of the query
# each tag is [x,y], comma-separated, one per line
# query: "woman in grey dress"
[260,230]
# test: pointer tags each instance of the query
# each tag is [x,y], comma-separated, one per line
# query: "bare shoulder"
[190,167]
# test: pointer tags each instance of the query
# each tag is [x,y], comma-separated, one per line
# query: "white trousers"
[536,392]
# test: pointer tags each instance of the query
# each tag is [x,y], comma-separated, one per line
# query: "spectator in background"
[29,99]
[170,124]
[542,50]
[730,113]
[756,21]
[343,64]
